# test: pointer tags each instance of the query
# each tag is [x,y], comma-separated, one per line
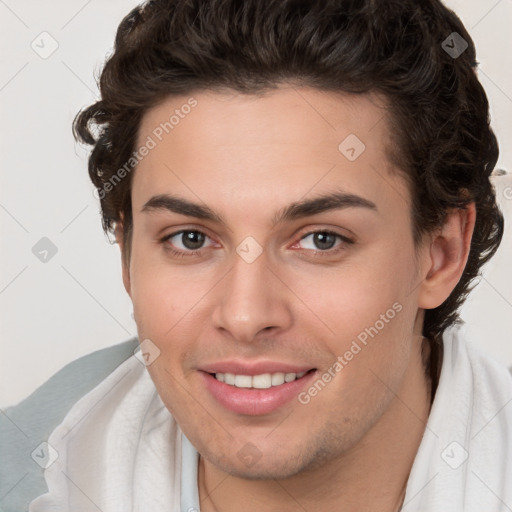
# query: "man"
[301,196]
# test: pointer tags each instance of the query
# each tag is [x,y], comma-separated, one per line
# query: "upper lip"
[239,367]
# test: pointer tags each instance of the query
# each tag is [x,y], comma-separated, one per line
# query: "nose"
[252,298]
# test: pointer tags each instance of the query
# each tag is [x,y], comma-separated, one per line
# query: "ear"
[447,257]
[118,231]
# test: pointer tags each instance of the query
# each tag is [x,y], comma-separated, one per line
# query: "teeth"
[277,379]
[243,381]
[263,381]
[289,377]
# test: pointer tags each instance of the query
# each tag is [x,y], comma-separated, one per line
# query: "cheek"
[355,295]
[163,296]
[370,314]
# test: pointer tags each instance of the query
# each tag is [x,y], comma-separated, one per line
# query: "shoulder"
[24,426]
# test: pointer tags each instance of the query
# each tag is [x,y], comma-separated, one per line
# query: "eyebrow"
[294,211]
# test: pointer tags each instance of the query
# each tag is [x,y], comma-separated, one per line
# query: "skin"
[246,157]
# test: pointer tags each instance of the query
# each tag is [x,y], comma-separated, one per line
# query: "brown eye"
[323,241]
[192,239]
[186,240]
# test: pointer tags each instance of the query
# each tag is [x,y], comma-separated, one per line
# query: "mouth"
[255,395]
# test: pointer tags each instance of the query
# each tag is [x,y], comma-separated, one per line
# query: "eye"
[185,242]
[324,242]
[190,242]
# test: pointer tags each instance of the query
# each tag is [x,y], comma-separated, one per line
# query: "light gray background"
[55,311]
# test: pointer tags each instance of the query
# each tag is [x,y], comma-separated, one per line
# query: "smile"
[255,395]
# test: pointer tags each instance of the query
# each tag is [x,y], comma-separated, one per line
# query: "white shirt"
[119,448]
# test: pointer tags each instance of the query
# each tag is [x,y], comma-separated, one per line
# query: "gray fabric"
[25,425]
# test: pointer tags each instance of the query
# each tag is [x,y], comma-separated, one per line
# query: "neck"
[371,476]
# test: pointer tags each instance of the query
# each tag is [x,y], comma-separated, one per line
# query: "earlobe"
[119,231]
[447,258]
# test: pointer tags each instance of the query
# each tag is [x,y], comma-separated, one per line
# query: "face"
[244,285]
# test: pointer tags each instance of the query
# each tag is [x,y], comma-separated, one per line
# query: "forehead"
[251,150]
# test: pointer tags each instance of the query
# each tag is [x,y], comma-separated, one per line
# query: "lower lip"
[254,402]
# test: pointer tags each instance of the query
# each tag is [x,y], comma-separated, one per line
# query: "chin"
[272,471]
[265,466]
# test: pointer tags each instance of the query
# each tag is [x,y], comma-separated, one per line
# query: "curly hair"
[439,112]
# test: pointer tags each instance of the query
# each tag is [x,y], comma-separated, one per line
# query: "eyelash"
[327,252]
